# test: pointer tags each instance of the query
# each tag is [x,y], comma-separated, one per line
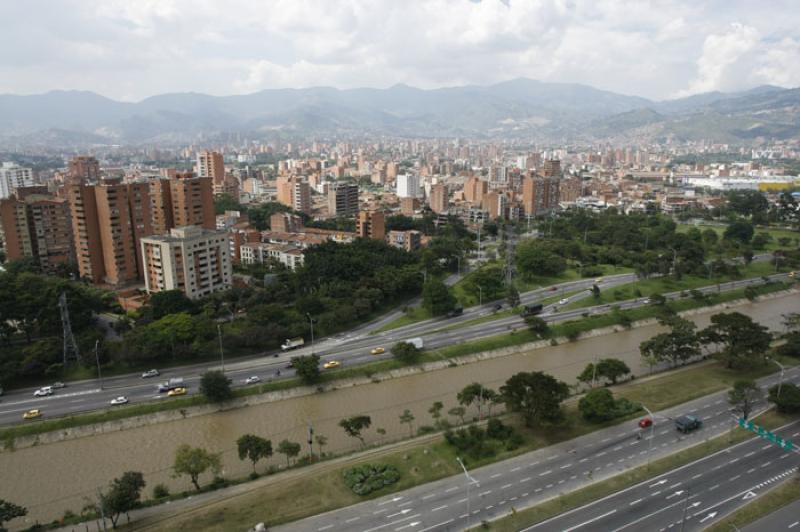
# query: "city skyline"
[132,51]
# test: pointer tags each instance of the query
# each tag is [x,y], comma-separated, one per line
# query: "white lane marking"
[765,464]
[526,479]
[734,478]
[448,490]
[380,511]
[428,496]
[751,453]
[794,524]
[712,488]
[545,473]
[601,454]
[352,519]
[552,457]
[485,493]
[515,469]
[437,525]
[590,521]
[439,508]
[401,512]
[566,466]
[637,501]
[496,475]
[582,460]
[394,499]
[697,476]
[326,527]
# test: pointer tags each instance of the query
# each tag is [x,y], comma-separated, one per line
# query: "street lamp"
[652,432]
[470,480]
[97,359]
[480,295]
[311,321]
[780,378]
[221,352]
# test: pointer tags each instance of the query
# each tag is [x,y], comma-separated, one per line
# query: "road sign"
[765,434]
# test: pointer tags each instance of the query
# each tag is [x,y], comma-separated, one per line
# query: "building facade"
[407,186]
[371,224]
[439,199]
[540,195]
[12,177]
[343,199]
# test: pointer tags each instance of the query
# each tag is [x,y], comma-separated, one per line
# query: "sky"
[132,49]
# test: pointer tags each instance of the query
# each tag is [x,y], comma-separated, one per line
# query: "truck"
[687,423]
[458,311]
[176,382]
[292,343]
[416,342]
[532,309]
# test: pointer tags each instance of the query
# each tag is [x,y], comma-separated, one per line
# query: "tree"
[535,258]
[612,369]
[596,292]
[597,405]
[744,395]
[742,339]
[9,511]
[406,352]
[788,402]
[354,425]
[588,375]
[307,368]
[254,448]
[170,302]
[535,395]
[474,393]
[194,461]
[290,449]
[322,441]
[459,412]
[747,256]
[123,496]
[436,410]
[537,325]
[676,346]
[408,418]
[436,297]
[216,386]
[512,296]
[740,231]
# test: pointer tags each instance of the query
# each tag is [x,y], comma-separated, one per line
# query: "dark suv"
[687,423]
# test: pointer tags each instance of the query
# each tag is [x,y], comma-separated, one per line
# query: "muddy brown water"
[49,479]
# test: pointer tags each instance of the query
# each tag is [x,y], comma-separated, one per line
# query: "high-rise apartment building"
[191,259]
[84,167]
[210,164]
[439,198]
[295,193]
[409,206]
[552,168]
[13,176]
[371,224]
[343,199]
[474,190]
[284,222]
[192,201]
[408,240]
[495,204]
[540,195]
[407,186]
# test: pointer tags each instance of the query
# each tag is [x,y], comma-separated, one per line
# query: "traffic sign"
[765,434]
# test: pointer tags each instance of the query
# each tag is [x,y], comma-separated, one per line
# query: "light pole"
[480,295]
[652,432]
[780,378]
[470,480]
[311,321]
[97,359]
[221,352]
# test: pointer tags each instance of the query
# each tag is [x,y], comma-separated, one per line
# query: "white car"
[58,385]
[150,373]
[121,400]
[252,380]
[43,392]
[563,301]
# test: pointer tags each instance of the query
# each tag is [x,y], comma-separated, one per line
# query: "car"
[687,423]
[378,351]
[792,274]
[646,301]
[58,385]
[598,280]
[498,306]
[331,364]
[553,288]
[32,414]
[176,391]
[252,380]
[150,373]
[43,392]
[645,422]
[121,400]
[563,301]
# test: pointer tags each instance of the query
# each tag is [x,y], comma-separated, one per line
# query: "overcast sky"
[131,49]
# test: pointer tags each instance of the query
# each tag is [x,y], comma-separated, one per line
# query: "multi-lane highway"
[714,485]
[787,518]
[348,349]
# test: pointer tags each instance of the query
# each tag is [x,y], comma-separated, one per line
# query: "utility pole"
[97,359]
[311,321]
[480,295]
[311,440]
[780,378]
[685,507]
[221,352]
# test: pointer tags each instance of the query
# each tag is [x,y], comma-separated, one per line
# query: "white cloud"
[134,49]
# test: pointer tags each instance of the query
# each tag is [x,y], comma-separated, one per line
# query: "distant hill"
[526,108]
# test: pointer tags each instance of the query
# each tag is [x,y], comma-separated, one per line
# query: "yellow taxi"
[378,351]
[331,364]
[32,414]
[176,391]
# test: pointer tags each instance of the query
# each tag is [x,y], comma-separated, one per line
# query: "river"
[49,479]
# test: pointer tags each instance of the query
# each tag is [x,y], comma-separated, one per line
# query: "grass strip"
[773,500]
[575,499]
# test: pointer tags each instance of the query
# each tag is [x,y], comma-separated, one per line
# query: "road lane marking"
[437,525]
[590,521]
[326,527]
[526,479]
[448,490]
[428,496]
[485,493]
[352,519]
[516,469]
[637,501]
[380,511]
[405,504]
[545,473]
[566,466]
[439,508]
[496,475]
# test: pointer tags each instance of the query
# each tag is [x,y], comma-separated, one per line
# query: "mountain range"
[520,108]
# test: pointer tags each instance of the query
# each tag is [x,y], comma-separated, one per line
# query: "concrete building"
[285,222]
[12,177]
[540,195]
[210,164]
[439,198]
[474,190]
[409,206]
[84,167]
[259,253]
[182,200]
[371,224]
[343,199]
[552,168]
[191,259]
[495,205]
[295,193]
[408,240]
[407,186]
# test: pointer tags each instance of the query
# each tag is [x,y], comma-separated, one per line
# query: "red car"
[645,422]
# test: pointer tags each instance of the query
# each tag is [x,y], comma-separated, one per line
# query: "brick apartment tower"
[439,199]
[371,224]
[540,195]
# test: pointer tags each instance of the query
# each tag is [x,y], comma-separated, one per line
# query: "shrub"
[425,429]
[160,491]
[367,478]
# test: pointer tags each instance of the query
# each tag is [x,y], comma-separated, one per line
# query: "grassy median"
[773,500]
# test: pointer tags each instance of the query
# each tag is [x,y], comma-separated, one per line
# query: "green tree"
[676,346]
[537,325]
[747,256]
[254,448]
[194,461]
[353,426]
[512,296]
[436,297]
[744,395]
[289,449]
[474,393]
[307,368]
[170,302]
[739,231]
[406,352]
[9,511]
[597,405]
[743,340]
[536,396]
[596,292]
[436,410]
[216,386]
[588,375]
[408,418]
[459,412]
[321,441]
[788,402]
[123,496]
[534,258]
[612,369]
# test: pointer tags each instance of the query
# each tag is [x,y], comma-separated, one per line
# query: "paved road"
[88,396]
[787,518]
[540,475]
